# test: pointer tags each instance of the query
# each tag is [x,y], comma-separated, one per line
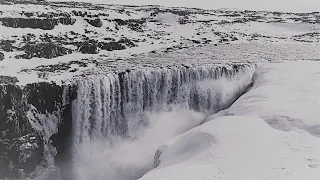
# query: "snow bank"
[285,95]
[238,147]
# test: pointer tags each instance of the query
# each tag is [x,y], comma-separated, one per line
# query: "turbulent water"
[120,120]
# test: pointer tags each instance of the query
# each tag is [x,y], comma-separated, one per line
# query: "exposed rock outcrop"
[21,148]
[1,56]
[24,112]
[92,46]
[7,45]
[94,22]
[111,46]
[8,80]
[44,50]
[89,47]
[35,23]
[133,24]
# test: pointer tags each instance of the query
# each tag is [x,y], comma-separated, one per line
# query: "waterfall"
[115,104]
[120,104]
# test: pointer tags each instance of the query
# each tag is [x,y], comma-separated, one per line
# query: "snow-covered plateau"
[120,92]
[42,41]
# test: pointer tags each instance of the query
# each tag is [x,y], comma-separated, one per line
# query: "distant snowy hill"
[270,5]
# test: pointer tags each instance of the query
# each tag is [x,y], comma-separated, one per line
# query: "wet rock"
[62,140]
[21,148]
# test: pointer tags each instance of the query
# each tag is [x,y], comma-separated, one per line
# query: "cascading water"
[120,119]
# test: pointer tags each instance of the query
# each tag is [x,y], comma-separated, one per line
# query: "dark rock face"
[178,12]
[184,20]
[20,146]
[133,24]
[88,48]
[127,42]
[94,22]
[91,46]
[62,140]
[111,46]
[23,2]
[8,80]
[21,110]
[79,13]
[7,45]
[1,56]
[35,23]
[44,50]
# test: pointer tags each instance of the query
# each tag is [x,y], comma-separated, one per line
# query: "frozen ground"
[82,38]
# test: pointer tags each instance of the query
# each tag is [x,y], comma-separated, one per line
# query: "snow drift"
[238,147]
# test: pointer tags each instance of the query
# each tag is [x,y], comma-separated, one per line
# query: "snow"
[157,36]
[238,147]
[285,95]
[271,5]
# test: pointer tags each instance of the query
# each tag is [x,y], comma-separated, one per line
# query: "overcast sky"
[272,5]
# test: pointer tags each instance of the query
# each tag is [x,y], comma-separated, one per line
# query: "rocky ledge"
[24,117]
